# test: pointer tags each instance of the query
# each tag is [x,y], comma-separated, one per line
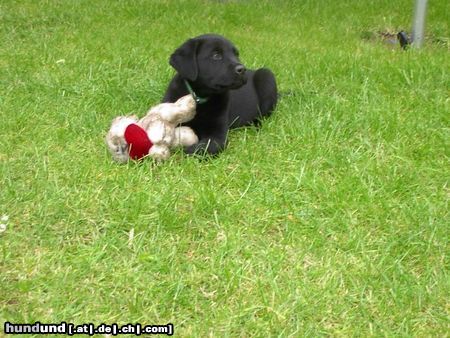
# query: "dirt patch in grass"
[390,38]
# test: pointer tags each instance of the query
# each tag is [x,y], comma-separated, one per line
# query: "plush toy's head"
[138,141]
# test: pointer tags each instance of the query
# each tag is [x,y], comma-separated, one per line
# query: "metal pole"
[418,29]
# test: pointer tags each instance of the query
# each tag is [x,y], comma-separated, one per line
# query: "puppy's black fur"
[235,96]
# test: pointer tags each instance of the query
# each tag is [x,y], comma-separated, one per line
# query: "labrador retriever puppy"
[227,94]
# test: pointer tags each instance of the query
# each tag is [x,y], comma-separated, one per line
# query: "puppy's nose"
[240,69]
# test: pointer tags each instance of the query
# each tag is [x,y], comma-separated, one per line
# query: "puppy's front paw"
[206,147]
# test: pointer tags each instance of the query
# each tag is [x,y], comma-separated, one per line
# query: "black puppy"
[228,95]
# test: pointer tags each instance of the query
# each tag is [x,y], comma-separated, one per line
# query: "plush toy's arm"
[188,105]
[175,113]
[184,136]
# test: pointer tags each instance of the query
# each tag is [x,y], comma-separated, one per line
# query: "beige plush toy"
[153,135]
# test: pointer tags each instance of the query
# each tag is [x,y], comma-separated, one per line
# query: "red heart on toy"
[138,140]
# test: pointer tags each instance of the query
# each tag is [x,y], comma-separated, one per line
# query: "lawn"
[331,219]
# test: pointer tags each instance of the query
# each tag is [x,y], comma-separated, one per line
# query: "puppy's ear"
[184,60]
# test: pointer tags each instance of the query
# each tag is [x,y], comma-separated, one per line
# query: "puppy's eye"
[217,56]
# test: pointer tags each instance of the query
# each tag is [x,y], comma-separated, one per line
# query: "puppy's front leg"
[208,146]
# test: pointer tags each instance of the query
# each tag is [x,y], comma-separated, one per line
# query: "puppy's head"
[211,63]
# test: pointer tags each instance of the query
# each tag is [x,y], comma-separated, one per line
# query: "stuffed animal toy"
[153,135]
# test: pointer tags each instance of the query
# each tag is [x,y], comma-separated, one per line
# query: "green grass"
[331,220]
